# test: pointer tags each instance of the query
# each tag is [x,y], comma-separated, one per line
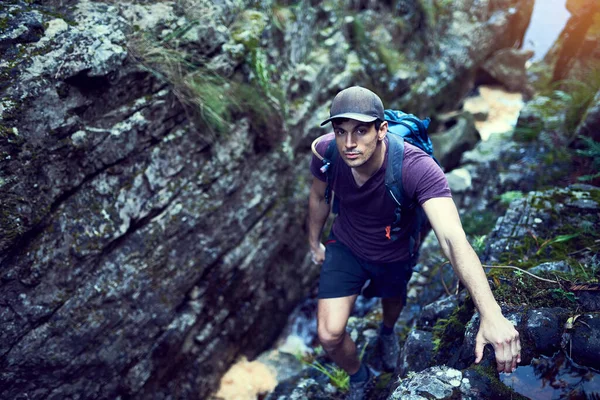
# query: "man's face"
[357,141]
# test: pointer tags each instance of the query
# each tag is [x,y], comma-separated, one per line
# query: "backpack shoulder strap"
[395,188]
[329,158]
[393,172]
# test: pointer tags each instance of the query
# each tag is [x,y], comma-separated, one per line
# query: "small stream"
[553,378]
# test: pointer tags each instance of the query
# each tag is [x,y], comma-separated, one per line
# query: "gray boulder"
[450,145]
[507,66]
[433,383]
[441,308]
[417,353]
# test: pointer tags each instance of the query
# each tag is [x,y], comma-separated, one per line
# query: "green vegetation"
[338,377]
[571,97]
[581,94]
[358,35]
[560,293]
[478,243]
[560,106]
[507,197]
[591,151]
[435,10]
[529,133]
[449,333]
[4,23]
[479,223]
[212,97]
[557,239]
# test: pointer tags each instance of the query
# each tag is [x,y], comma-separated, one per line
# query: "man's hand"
[502,335]
[318,254]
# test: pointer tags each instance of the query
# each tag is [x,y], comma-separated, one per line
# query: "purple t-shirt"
[366,211]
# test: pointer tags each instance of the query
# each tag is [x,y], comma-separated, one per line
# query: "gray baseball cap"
[356,103]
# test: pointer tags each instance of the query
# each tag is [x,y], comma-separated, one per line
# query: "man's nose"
[350,143]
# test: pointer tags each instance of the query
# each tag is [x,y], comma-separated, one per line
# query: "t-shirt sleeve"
[422,178]
[315,162]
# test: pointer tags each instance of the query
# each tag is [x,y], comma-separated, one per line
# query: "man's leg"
[332,316]
[391,310]
[388,341]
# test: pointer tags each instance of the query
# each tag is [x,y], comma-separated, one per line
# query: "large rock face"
[140,252]
[136,258]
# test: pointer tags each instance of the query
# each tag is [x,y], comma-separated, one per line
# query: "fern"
[591,150]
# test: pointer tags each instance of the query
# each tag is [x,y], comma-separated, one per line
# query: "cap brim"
[355,116]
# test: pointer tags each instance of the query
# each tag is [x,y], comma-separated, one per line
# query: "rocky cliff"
[153,171]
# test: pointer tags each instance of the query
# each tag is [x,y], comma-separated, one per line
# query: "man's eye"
[339,133]
[362,131]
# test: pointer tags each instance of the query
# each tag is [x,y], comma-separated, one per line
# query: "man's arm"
[494,328]
[318,211]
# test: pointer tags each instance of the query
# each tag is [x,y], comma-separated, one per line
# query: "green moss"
[392,58]
[528,133]
[69,21]
[4,23]
[248,27]
[560,237]
[480,223]
[358,37]
[429,10]
[449,333]
[514,288]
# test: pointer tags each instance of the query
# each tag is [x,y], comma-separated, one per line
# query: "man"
[360,247]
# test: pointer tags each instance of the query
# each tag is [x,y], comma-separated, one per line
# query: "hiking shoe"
[390,351]
[359,390]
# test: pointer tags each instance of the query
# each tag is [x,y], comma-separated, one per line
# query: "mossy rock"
[248,28]
[560,225]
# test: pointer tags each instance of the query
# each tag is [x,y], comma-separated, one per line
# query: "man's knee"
[330,338]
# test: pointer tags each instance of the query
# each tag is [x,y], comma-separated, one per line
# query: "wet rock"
[588,296]
[416,355]
[481,382]
[476,384]
[544,329]
[435,382]
[584,345]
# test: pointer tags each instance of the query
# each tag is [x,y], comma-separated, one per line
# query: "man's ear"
[383,128]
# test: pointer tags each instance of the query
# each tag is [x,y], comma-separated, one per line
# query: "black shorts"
[343,274]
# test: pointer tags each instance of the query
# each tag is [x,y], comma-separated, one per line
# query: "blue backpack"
[401,127]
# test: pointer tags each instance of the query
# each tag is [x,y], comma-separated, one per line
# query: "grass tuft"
[213,99]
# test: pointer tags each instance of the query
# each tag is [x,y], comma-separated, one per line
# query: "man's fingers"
[516,353]
[508,357]
[500,350]
[479,345]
